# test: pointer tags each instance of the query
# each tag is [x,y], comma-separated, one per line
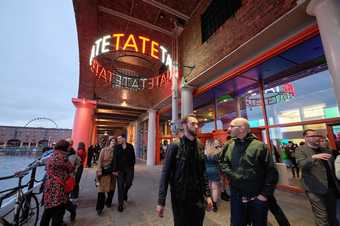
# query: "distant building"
[15,136]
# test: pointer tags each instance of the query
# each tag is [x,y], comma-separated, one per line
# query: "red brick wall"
[86,19]
[251,18]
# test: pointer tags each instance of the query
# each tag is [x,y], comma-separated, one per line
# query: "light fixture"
[124,104]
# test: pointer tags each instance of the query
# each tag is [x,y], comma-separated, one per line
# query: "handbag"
[108,169]
[70,183]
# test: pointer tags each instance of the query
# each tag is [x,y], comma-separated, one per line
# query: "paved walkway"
[140,209]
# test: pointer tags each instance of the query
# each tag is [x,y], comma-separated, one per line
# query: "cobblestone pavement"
[140,208]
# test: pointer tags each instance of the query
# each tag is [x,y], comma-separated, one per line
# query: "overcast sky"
[39,62]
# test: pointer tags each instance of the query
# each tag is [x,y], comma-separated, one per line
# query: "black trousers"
[75,192]
[188,212]
[102,200]
[276,210]
[124,181]
[54,213]
[70,207]
[324,208]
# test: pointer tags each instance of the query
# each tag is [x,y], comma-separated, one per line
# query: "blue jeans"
[254,212]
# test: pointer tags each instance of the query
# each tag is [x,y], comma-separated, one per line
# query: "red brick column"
[83,122]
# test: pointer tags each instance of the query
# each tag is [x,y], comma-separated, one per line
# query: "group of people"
[115,164]
[194,176]
[62,163]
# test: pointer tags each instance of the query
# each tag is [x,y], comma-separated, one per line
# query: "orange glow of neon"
[133,45]
[154,50]
[144,40]
[117,40]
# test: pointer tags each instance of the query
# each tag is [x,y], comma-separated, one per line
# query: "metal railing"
[20,202]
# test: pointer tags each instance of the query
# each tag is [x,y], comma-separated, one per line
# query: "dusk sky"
[39,62]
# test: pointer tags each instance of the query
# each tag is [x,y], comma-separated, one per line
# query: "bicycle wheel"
[28,213]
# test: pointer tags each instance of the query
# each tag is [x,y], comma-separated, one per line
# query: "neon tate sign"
[138,44]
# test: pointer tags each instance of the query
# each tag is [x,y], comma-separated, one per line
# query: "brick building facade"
[31,136]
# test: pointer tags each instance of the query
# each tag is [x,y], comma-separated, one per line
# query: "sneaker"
[120,208]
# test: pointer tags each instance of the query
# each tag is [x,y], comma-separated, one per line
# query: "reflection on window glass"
[308,98]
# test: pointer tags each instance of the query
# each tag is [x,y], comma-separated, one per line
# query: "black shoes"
[120,208]
[99,212]
[73,216]
[214,206]
[225,196]
[108,205]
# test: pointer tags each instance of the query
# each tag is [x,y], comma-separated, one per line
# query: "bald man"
[249,166]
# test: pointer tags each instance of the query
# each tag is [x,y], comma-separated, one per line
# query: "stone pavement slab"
[140,208]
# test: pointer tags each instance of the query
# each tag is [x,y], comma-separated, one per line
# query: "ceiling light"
[124,104]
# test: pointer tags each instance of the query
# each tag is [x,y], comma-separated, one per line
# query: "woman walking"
[57,170]
[106,179]
[212,148]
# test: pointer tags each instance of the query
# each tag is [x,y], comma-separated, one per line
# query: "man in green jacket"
[250,168]
[320,183]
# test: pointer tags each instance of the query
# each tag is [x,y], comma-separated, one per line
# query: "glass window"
[239,97]
[308,98]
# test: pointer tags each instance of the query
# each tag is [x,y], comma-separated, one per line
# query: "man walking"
[125,160]
[319,180]
[249,166]
[184,170]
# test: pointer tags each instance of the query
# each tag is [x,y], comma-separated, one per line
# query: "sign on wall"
[134,43]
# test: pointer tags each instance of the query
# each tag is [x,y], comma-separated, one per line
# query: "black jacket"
[173,173]
[124,159]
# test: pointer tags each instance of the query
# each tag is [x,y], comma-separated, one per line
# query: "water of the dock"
[140,208]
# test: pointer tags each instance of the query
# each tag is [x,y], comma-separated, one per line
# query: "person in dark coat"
[184,169]
[124,163]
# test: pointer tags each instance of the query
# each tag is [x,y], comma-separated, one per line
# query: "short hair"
[185,118]
[123,135]
[307,130]
[62,145]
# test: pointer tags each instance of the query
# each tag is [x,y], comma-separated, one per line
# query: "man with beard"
[320,183]
[184,170]
[249,166]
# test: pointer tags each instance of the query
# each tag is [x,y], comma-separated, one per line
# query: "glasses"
[232,126]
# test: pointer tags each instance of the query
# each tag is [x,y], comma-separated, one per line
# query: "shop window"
[312,97]
[216,14]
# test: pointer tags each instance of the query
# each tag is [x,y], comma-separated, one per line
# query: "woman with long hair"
[105,178]
[212,149]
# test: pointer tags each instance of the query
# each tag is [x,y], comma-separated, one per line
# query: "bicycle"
[26,207]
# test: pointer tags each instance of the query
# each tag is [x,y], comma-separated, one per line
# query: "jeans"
[255,210]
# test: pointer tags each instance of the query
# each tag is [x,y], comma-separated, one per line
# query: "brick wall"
[251,18]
